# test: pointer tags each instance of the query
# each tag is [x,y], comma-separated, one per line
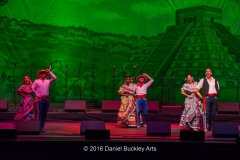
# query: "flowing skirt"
[127,114]
[192,116]
[25,111]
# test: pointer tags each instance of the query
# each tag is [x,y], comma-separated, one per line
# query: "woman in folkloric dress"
[192,113]
[25,111]
[127,111]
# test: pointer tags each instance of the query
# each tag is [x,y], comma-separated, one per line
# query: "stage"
[71,130]
[63,140]
[61,116]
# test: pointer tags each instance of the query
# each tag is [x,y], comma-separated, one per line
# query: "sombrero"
[141,76]
[42,71]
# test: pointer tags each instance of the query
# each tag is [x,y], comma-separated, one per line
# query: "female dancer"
[191,116]
[127,111]
[25,111]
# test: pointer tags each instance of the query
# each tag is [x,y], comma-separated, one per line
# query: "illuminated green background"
[90,37]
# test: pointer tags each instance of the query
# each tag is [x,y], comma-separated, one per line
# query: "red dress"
[25,110]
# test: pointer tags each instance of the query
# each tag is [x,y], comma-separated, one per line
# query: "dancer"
[210,88]
[25,111]
[141,97]
[35,107]
[41,88]
[127,111]
[191,116]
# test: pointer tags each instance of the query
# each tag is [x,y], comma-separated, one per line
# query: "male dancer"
[41,88]
[141,97]
[210,88]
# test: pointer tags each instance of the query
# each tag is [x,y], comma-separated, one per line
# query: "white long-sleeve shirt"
[142,90]
[41,87]
[212,89]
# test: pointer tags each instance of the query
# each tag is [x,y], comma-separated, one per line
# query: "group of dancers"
[198,111]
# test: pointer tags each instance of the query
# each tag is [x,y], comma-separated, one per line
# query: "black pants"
[43,105]
[211,105]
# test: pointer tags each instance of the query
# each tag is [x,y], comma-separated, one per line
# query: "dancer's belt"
[141,96]
[205,100]
[212,95]
[43,97]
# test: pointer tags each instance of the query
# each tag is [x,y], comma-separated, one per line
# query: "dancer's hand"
[144,74]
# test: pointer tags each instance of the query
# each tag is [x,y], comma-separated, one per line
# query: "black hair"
[209,69]
[187,76]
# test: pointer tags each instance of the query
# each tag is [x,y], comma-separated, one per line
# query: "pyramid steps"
[228,39]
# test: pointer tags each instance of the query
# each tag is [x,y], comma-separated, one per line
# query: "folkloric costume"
[127,111]
[25,111]
[41,89]
[141,98]
[209,91]
[192,113]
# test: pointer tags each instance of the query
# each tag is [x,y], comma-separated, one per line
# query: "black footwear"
[43,130]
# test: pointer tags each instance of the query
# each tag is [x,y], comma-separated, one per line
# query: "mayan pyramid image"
[198,40]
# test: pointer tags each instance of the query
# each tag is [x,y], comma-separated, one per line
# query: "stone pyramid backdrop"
[197,41]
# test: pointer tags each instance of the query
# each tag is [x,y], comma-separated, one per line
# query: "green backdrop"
[94,44]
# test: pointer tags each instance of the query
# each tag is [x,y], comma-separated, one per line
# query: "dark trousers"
[43,105]
[141,102]
[211,105]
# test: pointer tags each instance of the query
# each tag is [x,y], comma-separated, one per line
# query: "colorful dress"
[127,111]
[25,111]
[192,114]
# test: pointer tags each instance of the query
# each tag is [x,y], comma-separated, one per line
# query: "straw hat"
[42,71]
[141,76]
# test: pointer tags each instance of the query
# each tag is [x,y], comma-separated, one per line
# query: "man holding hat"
[41,88]
[141,97]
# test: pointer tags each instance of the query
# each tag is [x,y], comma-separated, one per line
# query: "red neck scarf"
[140,84]
[42,79]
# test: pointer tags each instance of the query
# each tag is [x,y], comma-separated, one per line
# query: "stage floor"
[97,115]
[72,130]
[63,141]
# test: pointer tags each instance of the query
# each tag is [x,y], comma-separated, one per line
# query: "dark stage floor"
[71,130]
[61,116]
[63,140]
